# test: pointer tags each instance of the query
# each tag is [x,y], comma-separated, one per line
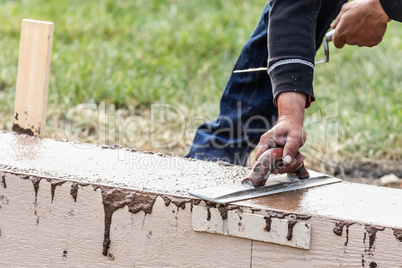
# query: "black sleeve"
[291,45]
[393,8]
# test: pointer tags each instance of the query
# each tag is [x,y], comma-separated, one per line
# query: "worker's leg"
[246,109]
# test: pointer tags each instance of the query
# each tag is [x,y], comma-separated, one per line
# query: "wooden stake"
[33,77]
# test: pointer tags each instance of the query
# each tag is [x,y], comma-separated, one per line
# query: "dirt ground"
[372,172]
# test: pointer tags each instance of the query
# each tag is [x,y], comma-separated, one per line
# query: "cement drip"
[338,229]
[291,223]
[53,185]
[136,201]
[398,234]
[74,191]
[372,232]
[3,181]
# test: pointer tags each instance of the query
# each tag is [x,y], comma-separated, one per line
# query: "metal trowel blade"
[236,192]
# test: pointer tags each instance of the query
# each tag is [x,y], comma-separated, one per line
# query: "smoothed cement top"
[353,202]
[177,176]
[112,166]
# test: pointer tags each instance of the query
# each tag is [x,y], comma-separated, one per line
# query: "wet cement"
[268,222]
[338,229]
[35,182]
[209,206]
[74,191]
[291,223]
[349,202]
[223,210]
[136,201]
[273,214]
[21,130]
[112,165]
[398,234]
[53,184]
[255,210]
[372,233]
[143,182]
[175,177]
[292,220]
[3,181]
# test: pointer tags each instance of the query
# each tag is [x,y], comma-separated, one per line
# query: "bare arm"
[288,131]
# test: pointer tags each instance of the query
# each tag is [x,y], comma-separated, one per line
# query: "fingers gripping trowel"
[254,184]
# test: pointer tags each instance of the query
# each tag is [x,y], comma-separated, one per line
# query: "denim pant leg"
[246,109]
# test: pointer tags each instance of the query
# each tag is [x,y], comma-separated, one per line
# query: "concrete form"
[64,204]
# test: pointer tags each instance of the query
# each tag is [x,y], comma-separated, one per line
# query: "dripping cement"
[136,201]
[338,229]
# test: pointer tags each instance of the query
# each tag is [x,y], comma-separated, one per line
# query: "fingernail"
[287,159]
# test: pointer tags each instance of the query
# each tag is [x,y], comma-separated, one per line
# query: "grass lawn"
[121,60]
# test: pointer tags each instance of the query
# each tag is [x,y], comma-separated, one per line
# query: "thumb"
[290,150]
[337,40]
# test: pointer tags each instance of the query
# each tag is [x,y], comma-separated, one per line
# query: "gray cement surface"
[153,173]
[112,166]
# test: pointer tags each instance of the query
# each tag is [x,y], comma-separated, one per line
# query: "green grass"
[367,84]
[131,54]
[134,52]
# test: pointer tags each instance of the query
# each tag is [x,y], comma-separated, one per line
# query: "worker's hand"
[288,132]
[360,22]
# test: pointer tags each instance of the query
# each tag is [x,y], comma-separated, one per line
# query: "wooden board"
[39,232]
[33,77]
[64,233]
[251,226]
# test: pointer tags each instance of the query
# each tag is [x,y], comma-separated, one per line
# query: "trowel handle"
[328,35]
[266,162]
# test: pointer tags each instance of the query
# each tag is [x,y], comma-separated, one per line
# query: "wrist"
[382,15]
[392,8]
[291,106]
